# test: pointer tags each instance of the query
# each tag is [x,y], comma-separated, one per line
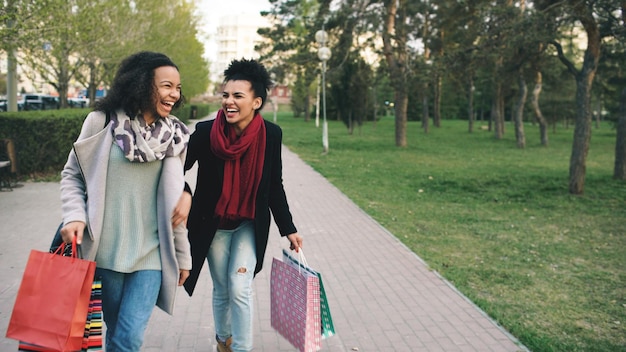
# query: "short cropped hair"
[253,72]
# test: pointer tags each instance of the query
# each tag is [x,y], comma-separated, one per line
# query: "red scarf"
[243,165]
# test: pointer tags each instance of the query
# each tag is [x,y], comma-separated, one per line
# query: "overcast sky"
[212,10]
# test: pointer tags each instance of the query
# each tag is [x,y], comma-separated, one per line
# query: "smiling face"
[239,104]
[167,92]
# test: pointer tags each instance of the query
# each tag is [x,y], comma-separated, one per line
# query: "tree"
[84,40]
[108,32]
[457,58]
[395,51]
[3,84]
[544,25]
[352,89]
[499,34]
[598,21]
[537,113]
[174,32]
[613,84]
[619,171]
[16,28]
[518,113]
[289,49]
[536,24]
[352,73]
[50,55]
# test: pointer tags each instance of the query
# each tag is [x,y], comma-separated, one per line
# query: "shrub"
[43,139]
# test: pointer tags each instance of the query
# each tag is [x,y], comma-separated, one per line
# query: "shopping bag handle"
[301,260]
[76,251]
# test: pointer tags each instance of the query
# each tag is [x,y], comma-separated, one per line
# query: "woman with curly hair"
[239,182]
[119,188]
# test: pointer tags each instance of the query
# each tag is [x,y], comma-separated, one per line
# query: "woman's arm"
[73,188]
[181,211]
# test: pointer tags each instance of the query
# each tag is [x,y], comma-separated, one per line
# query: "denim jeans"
[127,303]
[232,259]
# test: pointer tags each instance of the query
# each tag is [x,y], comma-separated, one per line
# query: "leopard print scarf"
[140,142]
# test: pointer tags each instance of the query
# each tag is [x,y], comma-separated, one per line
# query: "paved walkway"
[382,296]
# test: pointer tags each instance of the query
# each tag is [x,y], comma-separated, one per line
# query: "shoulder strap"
[108,118]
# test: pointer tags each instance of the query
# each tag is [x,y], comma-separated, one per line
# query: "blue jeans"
[232,259]
[127,303]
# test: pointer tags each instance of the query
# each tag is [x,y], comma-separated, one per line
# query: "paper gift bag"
[295,306]
[29,347]
[92,339]
[52,302]
[328,328]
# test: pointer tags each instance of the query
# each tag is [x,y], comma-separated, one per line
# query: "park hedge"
[43,139]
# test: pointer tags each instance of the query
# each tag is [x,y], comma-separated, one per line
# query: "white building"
[236,38]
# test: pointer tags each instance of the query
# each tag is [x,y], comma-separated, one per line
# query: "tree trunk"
[496,111]
[400,110]
[620,143]
[307,107]
[470,106]
[584,82]
[92,85]
[375,107]
[425,117]
[598,112]
[396,57]
[582,134]
[438,83]
[63,82]
[437,101]
[520,136]
[541,120]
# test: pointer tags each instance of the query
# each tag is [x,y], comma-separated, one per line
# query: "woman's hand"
[181,211]
[182,277]
[71,229]
[296,241]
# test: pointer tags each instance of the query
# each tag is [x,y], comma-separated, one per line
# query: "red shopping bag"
[295,306]
[52,302]
[92,338]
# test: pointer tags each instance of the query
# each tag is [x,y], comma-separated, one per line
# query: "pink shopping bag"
[295,304]
[328,328]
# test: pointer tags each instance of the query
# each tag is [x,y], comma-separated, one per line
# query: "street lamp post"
[323,53]
[317,102]
[273,97]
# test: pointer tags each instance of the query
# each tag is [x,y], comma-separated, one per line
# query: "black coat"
[202,223]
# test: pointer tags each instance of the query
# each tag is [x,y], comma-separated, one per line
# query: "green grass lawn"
[496,221]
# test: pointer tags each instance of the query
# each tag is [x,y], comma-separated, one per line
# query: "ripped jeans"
[232,259]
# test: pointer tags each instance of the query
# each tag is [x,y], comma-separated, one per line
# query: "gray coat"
[83,187]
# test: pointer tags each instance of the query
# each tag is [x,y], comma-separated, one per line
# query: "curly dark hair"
[253,72]
[133,87]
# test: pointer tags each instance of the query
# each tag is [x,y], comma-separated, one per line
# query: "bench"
[8,164]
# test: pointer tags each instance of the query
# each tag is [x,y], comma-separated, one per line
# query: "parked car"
[40,102]
[78,102]
[4,105]
[100,93]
